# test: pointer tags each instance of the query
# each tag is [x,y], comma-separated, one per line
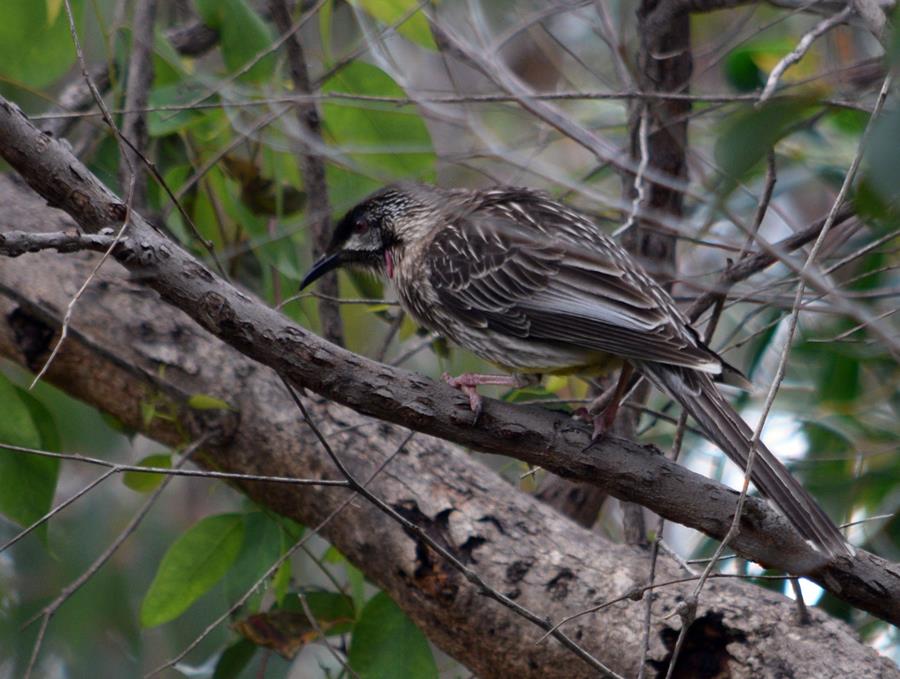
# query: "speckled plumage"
[535,287]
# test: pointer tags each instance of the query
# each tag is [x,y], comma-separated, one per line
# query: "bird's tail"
[700,398]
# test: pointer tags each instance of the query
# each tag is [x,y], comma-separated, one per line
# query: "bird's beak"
[321,267]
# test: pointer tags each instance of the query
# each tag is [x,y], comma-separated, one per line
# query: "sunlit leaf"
[144,482]
[35,42]
[392,12]
[384,140]
[207,402]
[191,566]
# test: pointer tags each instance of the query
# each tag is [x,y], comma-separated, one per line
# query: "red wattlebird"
[535,287]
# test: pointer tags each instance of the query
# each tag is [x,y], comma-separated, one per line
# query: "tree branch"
[123,336]
[536,436]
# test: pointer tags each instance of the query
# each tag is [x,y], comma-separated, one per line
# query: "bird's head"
[373,234]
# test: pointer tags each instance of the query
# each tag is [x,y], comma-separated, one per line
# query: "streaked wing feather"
[506,275]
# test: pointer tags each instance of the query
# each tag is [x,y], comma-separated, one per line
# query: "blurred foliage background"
[396,106]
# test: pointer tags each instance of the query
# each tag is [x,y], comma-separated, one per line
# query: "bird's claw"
[602,420]
[470,390]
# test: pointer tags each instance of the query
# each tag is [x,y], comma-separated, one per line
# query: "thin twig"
[116,468]
[688,610]
[48,611]
[137,92]
[424,342]
[639,175]
[58,508]
[282,559]
[470,575]
[67,318]
[17,243]
[801,49]
[312,167]
[314,623]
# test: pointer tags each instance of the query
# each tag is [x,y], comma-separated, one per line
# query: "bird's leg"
[468,383]
[606,406]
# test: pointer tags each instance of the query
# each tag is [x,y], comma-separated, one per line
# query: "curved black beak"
[321,267]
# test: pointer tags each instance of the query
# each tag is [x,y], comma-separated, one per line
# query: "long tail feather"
[700,398]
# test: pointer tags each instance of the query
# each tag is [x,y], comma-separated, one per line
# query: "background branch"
[515,543]
[538,437]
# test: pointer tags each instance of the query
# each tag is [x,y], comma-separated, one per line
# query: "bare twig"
[639,189]
[468,573]
[688,610]
[17,243]
[58,508]
[115,468]
[313,169]
[48,611]
[137,92]
[282,559]
[800,51]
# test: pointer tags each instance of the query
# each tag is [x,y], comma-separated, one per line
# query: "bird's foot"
[603,410]
[468,384]
[600,421]
[602,413]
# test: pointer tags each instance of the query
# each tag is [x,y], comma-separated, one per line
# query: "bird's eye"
[360,225]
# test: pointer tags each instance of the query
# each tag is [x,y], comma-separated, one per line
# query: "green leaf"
[335,611]
[144,482]
[207,402]
[242,35]
[749,135]
[191,566]
[382,141]
[332,607]
[883,159]
[742,71]
[27,482]
[387,645]
[391,12]
[261,547]
[43,420]
[35,42]
[234,659]
[167,66]
[355,577]
[851,121]
[162,122]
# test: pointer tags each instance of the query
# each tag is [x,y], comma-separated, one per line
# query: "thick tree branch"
[536,436]
[123,335]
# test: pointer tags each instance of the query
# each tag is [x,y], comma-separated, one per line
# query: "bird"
[536,288]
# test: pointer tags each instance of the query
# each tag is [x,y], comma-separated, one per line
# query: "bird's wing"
[493,271]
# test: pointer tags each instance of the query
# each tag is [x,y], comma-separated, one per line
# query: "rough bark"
[533,435]
[123,333]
